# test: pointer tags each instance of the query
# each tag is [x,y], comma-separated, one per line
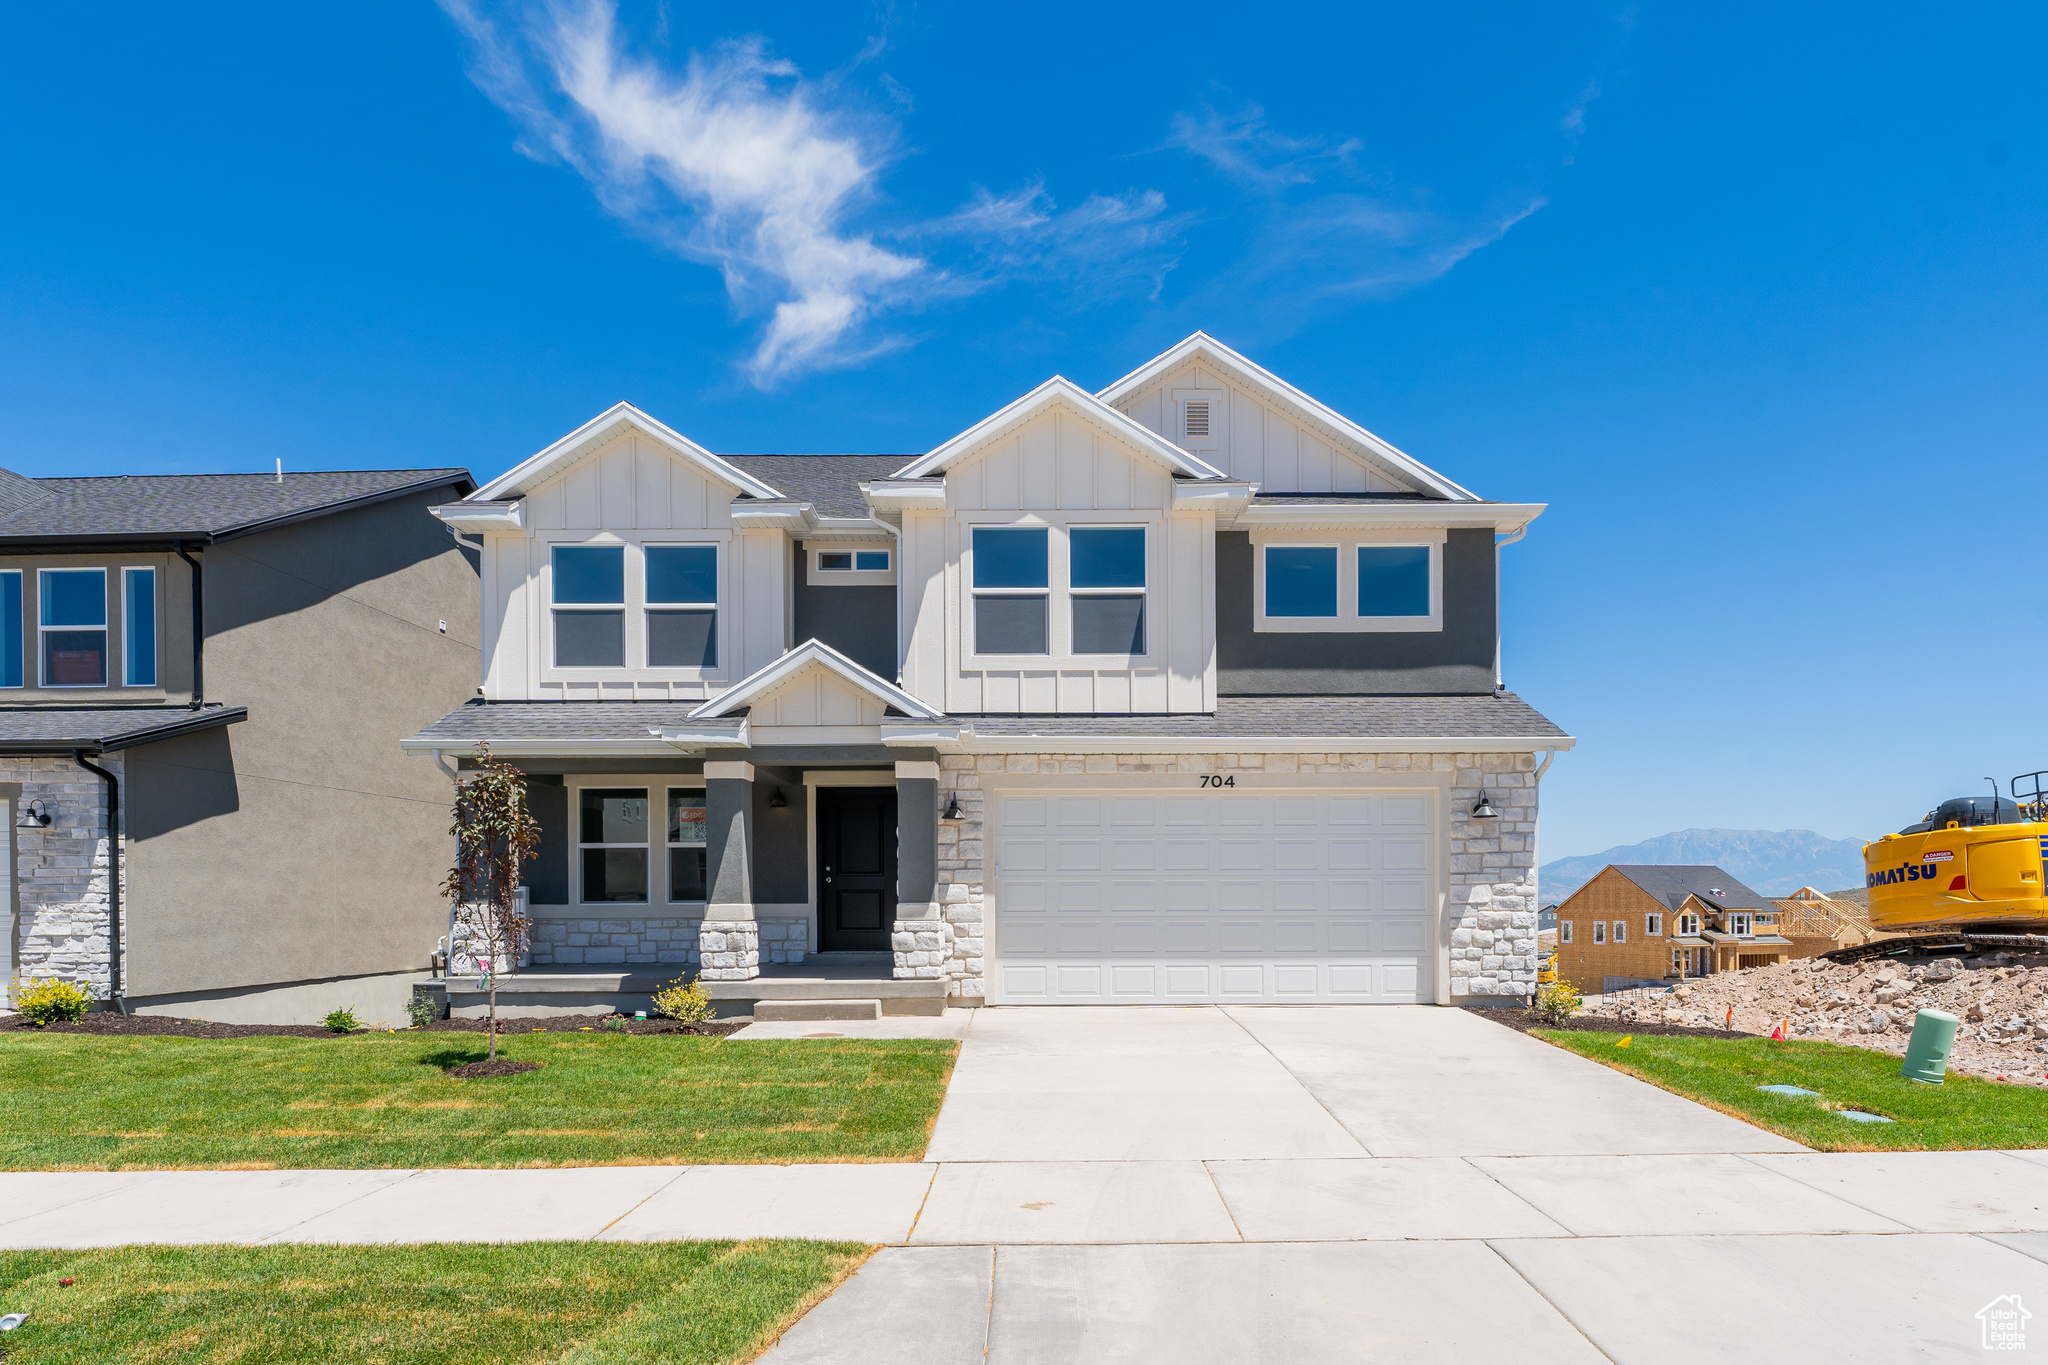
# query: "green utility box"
[1934,1037]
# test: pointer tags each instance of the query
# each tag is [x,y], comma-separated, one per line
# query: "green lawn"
[565,1303]
[85,1102]
[1725,1073]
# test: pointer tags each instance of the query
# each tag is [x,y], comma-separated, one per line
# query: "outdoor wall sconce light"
[952,811]
[33,816]
[778,801]
[1484,810]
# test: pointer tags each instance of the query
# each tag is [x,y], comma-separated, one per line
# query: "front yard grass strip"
[565,1303]
[1961,1114]
[94,1102]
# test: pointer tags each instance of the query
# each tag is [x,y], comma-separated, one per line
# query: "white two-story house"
[1187,690]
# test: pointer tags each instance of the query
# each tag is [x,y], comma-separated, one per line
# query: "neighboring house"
[1819,923]
[223,662]
[1656,923]
[1181,691]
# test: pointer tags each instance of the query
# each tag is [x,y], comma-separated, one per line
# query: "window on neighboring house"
[1301,580]
[1653,925]
[1393,580]
[1564,931]
[686,868]
[589,605]
[1677,958]
[10,628]
[1621,931]
[1599,931]
[682,606]
[1740,926]
[1106,578]
[138,627]
[1688,925]
[1011,588]
[73,613]
[612,839]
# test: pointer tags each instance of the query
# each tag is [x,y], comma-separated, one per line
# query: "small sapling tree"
[494,836]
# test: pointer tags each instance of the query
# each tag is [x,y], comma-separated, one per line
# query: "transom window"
[682,606]
[1012,585]
[1653,925]
[686,874]
[73,627]
[611,836]
[1106,588]
[589,603]
[853,561]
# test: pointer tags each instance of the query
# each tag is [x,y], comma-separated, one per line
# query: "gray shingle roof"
[105,730]
[503,721]
[1482,717]
[1671,883]
[830,481]
[195,506]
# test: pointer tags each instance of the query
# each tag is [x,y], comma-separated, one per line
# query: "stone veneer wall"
[1491,898]
[671,942]
[62,869]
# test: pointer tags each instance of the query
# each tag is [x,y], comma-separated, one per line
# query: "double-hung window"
[686,876]
[1012,583]
[588,602]
[1564,931]
[682,606]
[10,628]
[1106,589]
[72,607]
[138,627]
[611,839]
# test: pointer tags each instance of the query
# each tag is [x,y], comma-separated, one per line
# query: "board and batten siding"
[1058,470]
[1256,441]
[630,491]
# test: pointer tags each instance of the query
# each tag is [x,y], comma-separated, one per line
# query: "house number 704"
[1211,780]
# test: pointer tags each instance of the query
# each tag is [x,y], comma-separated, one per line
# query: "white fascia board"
[919,735]
[702,736]
[1059,391]
[905,495]
[1501,517]
[971,742]
[1203,346]
[803,656]
[477,515]
[522,478]
[785,514]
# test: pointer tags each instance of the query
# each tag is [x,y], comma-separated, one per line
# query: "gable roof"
[197,507]
[1671,883]
[615,420]
[831,483]
[1059,392]
[1201,346]
[803,656]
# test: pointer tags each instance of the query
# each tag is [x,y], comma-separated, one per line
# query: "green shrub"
[343,1021]
[422,1010]
[1558,1001]
[50,1001]
[686,1004]
[614,1023]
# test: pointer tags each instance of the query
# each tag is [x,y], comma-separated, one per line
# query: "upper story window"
[10,628]
[1349,581]
[1688,925]
[1301,581]
[853,561]
[1393,580]
[1012,584]
[1653,925]
[1741,926]
[589,605]
[1106,581]
[73,627]
[682,606]
[138,627]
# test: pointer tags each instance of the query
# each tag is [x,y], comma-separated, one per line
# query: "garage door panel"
[1245,895]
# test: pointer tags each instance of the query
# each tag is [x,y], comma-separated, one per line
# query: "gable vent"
[1197,420]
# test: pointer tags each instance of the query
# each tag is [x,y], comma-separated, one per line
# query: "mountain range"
[1771,862]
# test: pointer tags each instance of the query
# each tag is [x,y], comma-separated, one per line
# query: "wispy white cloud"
[1107,244]
[1246,148]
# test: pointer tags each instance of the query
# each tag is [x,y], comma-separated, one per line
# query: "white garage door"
[1141,896]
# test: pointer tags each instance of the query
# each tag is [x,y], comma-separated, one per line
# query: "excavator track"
[1925,945]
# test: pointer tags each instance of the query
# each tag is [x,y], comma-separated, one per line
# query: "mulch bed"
[1523,1020]
[501,1066]
[110,1021]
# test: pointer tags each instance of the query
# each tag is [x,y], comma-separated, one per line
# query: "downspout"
[199,627]
[113,874]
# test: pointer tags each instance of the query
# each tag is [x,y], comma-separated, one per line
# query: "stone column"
[729,942]
[920,939]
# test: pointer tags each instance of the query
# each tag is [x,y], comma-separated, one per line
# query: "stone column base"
[730,949]
[921,947]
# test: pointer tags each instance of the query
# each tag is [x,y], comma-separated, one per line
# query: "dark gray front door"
[856,868]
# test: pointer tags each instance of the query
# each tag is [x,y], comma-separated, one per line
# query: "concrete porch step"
[795,1011]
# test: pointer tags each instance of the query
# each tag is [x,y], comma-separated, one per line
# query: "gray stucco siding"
[859,622]
[782,864]
[1457,659]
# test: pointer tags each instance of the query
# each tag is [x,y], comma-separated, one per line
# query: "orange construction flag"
[1729,1022]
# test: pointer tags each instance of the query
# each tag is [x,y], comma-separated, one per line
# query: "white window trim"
[1741,924]
[1688,926]
[719,566]
[816,577]
[1600,931]
[1219,414]
[1347,543]
[157,620]
[110,660]
[1620,934]
[1653,925]
[635,607]
[1057,592]
[657,842]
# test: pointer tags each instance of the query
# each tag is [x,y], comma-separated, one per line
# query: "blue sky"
[1753,296]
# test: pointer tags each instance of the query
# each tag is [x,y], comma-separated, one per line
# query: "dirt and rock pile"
[2001,1000]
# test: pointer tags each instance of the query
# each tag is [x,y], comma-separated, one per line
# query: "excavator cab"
[1974,864]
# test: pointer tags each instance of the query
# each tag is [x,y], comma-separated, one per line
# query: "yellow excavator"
[1969,876]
